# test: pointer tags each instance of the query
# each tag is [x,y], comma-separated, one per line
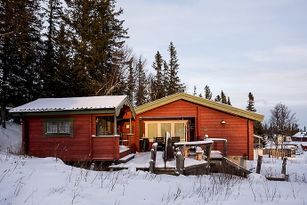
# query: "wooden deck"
[141,162]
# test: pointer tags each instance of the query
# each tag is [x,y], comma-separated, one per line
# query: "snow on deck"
[215,154]
[123,148]
[71,103]
[141,161]
[195,143]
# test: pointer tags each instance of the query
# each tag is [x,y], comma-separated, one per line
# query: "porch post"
[115,125]
[130,128]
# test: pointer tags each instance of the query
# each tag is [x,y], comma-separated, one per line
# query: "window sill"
[57,135]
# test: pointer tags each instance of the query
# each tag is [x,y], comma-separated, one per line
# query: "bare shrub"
[270,191]
[216,187]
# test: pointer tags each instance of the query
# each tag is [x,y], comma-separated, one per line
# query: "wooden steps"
[226,165]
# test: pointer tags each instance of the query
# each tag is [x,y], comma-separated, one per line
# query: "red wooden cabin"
[191,118]
[77,128]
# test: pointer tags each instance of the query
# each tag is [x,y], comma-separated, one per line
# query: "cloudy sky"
[239,46]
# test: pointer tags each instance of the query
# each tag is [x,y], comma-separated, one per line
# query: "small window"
[58,127]
[104,125]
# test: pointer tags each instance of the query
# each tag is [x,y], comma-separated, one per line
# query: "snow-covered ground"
[30,180]
[10,138]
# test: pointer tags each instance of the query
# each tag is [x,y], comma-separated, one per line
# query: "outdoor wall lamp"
[223,122]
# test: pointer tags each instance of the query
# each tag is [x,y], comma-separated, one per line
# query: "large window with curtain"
[63,127]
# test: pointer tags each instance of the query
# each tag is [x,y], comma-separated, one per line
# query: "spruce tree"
[208,93]
[223,97]
[157,86]
[142,82]
[64,76]
[194,91]
[50,64]
[131,81]
[251,103]
[165,76]
[218,98]
[258,127]
[151,87]
[20,52]
[97,40]
[174,81]
[228,101]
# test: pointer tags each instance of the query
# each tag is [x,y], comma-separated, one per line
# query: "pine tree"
[251,103]
[208,93]
[157,86]
[174,81]
[141,91]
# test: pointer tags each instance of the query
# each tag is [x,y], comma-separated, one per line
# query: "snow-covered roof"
[300,134]
[74,103]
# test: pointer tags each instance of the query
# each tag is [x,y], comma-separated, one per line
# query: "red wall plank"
[79,146]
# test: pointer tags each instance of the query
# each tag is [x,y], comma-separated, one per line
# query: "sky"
[237,46]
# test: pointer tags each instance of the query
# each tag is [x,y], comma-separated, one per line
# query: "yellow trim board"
[200,101]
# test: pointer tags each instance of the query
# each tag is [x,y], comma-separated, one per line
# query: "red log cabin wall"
[237,130]
[80,146]
[103,148]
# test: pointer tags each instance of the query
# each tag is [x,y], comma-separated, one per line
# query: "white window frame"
[57,127]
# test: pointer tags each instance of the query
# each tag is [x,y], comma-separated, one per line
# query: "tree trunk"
[3,115]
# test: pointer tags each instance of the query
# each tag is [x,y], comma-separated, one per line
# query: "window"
[177,128]
[179,131]
[58,127]
[104,125]
[165,127]
[152,130]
